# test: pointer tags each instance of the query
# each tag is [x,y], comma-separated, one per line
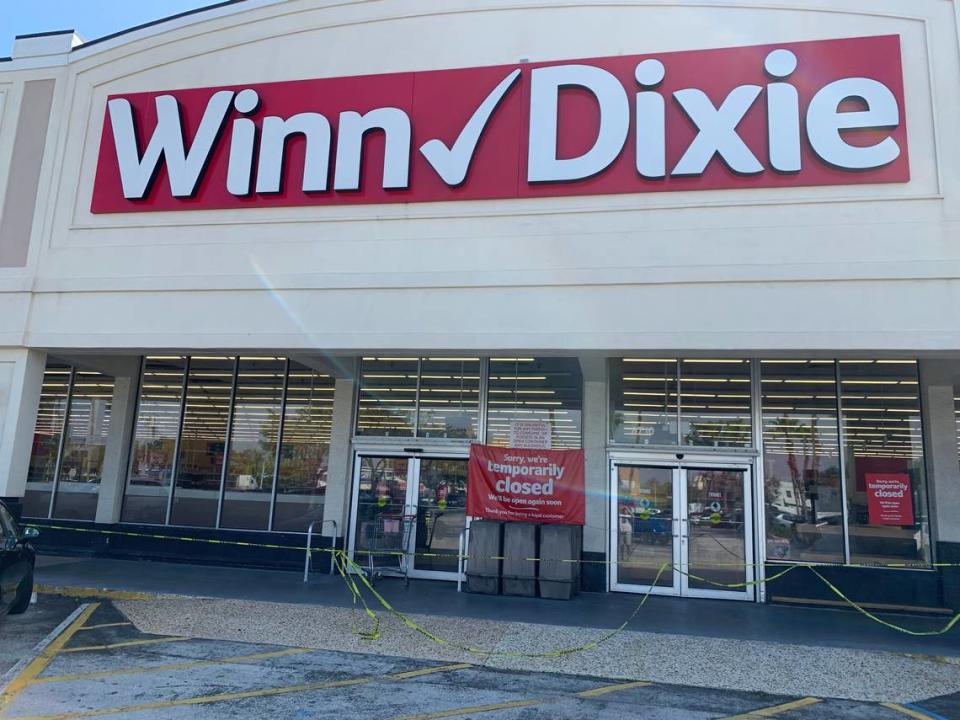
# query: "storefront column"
[21,380]
[123,408]
[594,424]
[336,505]
[943,468]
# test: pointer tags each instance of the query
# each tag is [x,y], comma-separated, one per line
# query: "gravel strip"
[677,659]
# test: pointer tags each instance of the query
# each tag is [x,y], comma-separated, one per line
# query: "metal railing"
[308,560]
[462,555]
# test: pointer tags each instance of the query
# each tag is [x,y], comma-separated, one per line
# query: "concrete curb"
[106,593]
[13,672]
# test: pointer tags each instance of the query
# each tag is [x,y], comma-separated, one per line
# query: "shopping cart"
[388,545]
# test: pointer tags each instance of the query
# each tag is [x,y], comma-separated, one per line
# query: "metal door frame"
[412,499]
[680,525]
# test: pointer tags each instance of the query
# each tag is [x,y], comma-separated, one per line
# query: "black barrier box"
[483,564]
[560,550]
[519,571]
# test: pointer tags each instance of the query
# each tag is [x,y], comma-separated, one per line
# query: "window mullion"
[63,440]
[842,449]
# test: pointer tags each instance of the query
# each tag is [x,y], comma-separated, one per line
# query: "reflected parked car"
[17,558]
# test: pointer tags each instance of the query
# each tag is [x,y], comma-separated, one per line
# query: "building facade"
[275,265]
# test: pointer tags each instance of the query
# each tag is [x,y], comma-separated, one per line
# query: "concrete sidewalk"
[721,619]
[712,644]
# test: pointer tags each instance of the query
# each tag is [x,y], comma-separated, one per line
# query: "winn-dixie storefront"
[711,465]
[639,290]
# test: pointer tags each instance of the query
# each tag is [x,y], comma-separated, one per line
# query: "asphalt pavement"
[101,665]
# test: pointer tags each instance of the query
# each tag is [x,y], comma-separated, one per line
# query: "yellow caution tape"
[348,569]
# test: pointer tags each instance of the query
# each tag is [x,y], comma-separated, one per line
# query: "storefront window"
[388,396]
[432,397]
[545,389]
[253,443]
[691,402]
[51,417]
[715,403]
[305,450]
[801,461]
[230,415]
[155,440]
[449,397]
[81,466]
[643,401]
[206,417]
[883,445]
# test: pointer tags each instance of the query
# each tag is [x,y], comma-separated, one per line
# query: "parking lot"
[100,665]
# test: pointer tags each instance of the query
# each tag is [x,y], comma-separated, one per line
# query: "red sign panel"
[544,486]
[889,499]
[826,112]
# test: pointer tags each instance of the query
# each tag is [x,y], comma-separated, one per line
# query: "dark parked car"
[16,564]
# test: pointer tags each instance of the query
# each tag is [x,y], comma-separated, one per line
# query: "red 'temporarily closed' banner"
[889,499]
[544,486]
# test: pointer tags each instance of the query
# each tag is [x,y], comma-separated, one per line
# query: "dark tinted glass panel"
[388,396]
[46,440]
[203,441]
[88,427]
[883,446]
[155,440]
[715,403]
[449,397]
[253,443]
[545,389]
[643,401]
[801,461]
[305,449]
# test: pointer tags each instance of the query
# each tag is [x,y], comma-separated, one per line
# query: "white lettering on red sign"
[581,117]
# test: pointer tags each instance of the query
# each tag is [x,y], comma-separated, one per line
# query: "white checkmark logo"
[453,163]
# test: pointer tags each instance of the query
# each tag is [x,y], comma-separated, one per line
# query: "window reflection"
[449,397]
[51,417]
[526,388]
[155,440]
[388,396]
[801,461]
[715,403]
[885,480]
[305,451]
[203,441]
[253,443]
[81,466]
[643,407]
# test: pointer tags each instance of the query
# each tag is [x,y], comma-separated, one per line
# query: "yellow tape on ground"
[348,569]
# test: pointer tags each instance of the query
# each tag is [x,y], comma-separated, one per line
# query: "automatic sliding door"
[646,549]
[381,488]
[716,532]
[441,514]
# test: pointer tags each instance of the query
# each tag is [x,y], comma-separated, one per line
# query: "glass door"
[429,493]
[716,532]
[682,530]
[646,547]
[441,504]
[380,488]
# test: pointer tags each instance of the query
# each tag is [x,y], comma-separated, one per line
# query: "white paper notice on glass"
[533,434]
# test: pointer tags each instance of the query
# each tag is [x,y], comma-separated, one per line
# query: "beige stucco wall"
[871,267]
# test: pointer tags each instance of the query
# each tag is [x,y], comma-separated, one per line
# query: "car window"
[8,527]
